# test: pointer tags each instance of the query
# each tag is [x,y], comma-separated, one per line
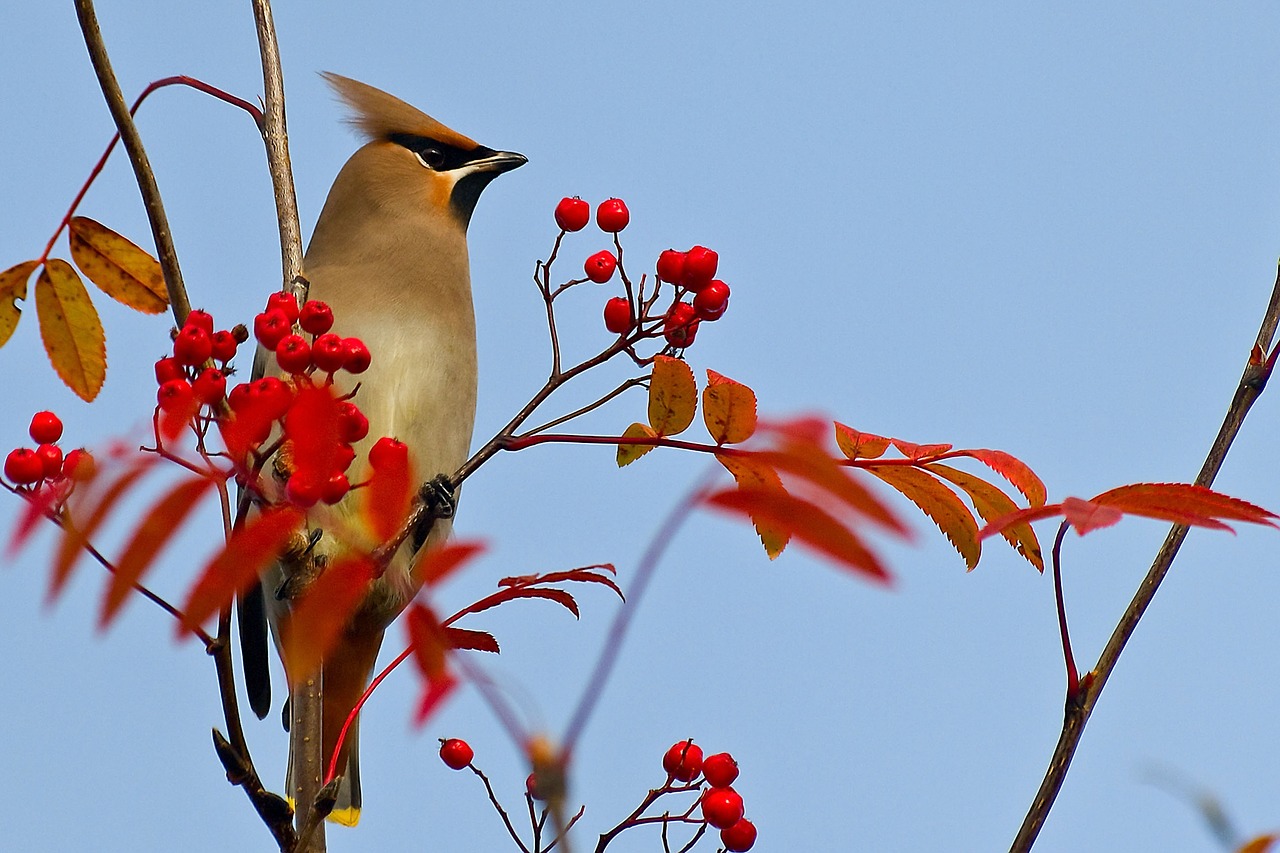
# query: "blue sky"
[1049,229]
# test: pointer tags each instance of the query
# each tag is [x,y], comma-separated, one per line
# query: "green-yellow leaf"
[992,503]
[753,475]
[728,409]
[673,396]
[13,286]
[628,453]
[71,330]
[118,267]
[940,504]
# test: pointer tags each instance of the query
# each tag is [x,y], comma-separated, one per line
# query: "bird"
[389,256]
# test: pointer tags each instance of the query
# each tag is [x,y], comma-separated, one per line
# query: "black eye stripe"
[432,154]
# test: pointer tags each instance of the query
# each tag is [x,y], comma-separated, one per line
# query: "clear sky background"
[1046,228]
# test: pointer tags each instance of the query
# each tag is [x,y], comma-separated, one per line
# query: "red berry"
[275,394]
[78,465]
[315,317]
[456,753]
[176,397]
[200,319]
[680,325]
[600,266]
[239,396]
[612,215]
[192,346]
[285,303]
[343,457]
[720,769]
[722,807]
[293,354]
[531,786]
[389,454]
[168,368]
[740,837]
[712,300]
[23,466]
[302,491]
[335,489]
[671,266]
[271,327]
[572,214]
[683,761]
[699,268]
[352,424]
[224,345]
[210,386]
[357,358]
[617,315]
[46,428]
[51,458]
[328,353]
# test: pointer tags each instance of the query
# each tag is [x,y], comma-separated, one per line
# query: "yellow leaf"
[628,453]
[729,409]
[13,286]
[673,396]
[939,503]
[992,503]
[753,475]
[119,268]
[71,330]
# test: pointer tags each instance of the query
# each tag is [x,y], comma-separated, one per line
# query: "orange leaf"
[117,266]
[75,537]
[430,642]
[71,330]
[435,563]
[1013,469]
[1183,503]
[248,553]
[388,499]
[728,409]
[628,453]
[1085,516]
[317,620]
[812,464]
[807,522]
[1261,844]
[916,452]
[13,286]
[1022,516]
[991,504]
[673,396]
[860,445]
[751,473]
[939,503]
[160,523]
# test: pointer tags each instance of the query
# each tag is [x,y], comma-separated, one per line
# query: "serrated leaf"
[750,473]
[917,452]
[435,563]
[247,554]
[315,624]
[728,409]
[673,396]
[1182,503]
[1086,516]
[812,464]
[991,504]
[120,269]
[71,330]
[157,527]
[1013,469]
[628,453]
[479,641]
[938,502]
[13,286]
[859,445]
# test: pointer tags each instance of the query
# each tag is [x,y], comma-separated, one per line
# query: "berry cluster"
[195,374]
[27,467]
[721,805]
[698,295]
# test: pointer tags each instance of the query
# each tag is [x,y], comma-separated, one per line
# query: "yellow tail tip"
[347,817]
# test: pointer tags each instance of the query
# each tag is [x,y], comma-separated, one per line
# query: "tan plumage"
[389,255]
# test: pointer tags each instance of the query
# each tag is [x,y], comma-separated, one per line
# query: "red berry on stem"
[335,489]
[600,266]
[720,769]
[200,319]
[612,215]
[722,807]
[224,345]
[168,368]
[176,397]
[328,352]
[680,325]
[284,302]
[456,753]
[293,354]
[302,491]
[671,266]
[23,466]
[531,786]
[275,395]
[617,315]
[699,268]
[683,761]
[46,428]
[352,424]
[315,317]
[572,214]
[740,837]
[344,456]
[271,327]
[192,346]
[51,458]
[210,386]
[389,454]
[78,465]
[712,300]
[357,357]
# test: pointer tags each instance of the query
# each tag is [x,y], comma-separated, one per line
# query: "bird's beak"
[497,162]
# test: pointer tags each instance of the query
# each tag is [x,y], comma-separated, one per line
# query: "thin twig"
[1252,382]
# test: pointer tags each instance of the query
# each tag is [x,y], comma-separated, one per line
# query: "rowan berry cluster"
[27,467]
[721,805]
[698,295]
[195,374]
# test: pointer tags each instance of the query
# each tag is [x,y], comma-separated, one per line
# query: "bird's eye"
[431,157]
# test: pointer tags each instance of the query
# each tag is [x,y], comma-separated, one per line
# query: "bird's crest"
[379,115]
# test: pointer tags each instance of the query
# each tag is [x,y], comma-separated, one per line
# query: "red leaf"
[430,643]
[75,537]
[859,445]
[311,425]
[39,504]
[1085,516]
[807,522]
[248,553]
[480,641]
[811,463]
[160,523]
[317,619]
[751,473]
[1022,516]
[939,503]
[916,452]
[991,504]
[437,691]
[1183,503]
[388,499]
[1013,469]
[436,563]
[584,575]
[504,595]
